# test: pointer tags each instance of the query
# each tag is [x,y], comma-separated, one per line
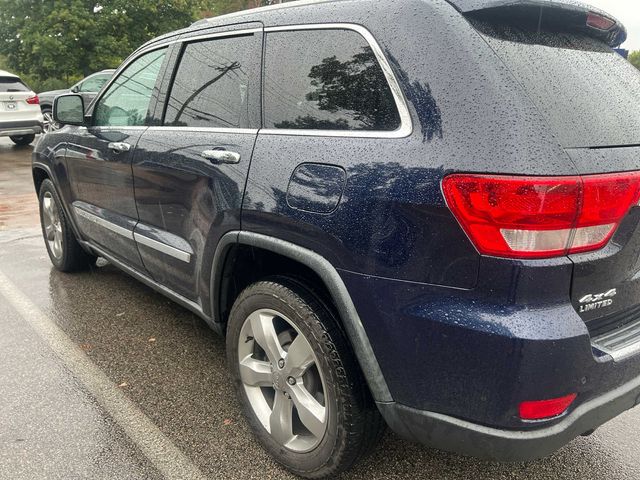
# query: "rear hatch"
[560,53]
[13,100]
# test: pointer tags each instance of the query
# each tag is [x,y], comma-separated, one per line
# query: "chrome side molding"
[134,236]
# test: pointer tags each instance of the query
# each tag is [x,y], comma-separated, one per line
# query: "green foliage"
[53,44]
[634,58]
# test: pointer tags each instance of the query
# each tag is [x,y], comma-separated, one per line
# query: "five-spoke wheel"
[303,393]
[49,125]
[281,378]
[65,252]
[51,225]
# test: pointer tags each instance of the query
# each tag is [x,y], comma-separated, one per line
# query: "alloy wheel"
[50,125]
[52,225]
[282,380]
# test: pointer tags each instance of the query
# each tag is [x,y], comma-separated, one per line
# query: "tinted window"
[126,102]
[327,80]
[95,83]
[212,84]
[588,93]
[12,84]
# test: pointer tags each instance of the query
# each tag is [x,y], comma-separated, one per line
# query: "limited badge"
[594,301]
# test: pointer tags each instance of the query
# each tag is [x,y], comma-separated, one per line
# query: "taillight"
[33,100]
[600,22]
[540,217]
[542,409]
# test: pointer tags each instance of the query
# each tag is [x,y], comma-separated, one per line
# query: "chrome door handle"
[119,147]
[221,156]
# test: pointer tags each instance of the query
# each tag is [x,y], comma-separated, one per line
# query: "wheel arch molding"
[331,280]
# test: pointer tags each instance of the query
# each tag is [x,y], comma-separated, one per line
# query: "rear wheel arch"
[233,271]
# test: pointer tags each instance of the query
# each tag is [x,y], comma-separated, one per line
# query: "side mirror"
[75,89]
[69,109]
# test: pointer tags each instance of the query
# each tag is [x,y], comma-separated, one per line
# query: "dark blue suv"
[414,213]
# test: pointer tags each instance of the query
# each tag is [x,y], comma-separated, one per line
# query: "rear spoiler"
[573,15]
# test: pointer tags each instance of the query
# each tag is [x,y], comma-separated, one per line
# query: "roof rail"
[278,6]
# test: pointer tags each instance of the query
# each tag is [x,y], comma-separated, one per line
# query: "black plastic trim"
[334,284]
[466,438]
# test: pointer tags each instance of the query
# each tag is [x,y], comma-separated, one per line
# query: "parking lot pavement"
[103,378]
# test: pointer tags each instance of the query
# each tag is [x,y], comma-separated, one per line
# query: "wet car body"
[451,341]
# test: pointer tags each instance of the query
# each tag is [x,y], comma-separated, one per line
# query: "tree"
[634,58]
[68,39]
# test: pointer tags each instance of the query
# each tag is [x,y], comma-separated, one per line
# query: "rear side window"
[213,82]
[326,80]
[12,84]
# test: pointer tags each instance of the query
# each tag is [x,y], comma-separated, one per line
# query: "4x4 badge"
[597,300]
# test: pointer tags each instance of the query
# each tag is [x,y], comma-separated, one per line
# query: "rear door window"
[12,84]
[213,84]
[587,92]
[326,80]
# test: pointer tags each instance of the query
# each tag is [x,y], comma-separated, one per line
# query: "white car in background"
[20,115]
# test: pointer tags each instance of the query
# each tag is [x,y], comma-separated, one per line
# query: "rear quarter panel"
[469,114]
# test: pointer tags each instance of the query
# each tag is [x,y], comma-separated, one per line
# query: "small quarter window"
[326,80]
[213,82]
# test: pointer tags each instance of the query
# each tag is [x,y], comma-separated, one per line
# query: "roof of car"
[4,73]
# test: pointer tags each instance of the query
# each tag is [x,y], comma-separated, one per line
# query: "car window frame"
[179,44]
[406,123]
[91,111]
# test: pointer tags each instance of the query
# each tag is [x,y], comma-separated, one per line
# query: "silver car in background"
[20,115]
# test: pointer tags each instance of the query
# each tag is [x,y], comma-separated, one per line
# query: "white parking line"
[161,452]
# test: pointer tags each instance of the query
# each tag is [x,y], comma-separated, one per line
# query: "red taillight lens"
[541,409]
[33,100]
[600,22]
[540,217]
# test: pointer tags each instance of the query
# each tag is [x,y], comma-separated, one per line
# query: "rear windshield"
[12,84]
[588,93]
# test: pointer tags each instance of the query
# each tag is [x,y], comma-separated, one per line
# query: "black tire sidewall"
[264,295]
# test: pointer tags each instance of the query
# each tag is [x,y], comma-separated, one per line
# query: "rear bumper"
[466,438]
[473,356]
[23,127]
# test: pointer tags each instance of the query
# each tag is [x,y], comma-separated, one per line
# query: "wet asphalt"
[102,378]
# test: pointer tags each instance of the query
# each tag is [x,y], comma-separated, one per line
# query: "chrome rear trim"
[620,343]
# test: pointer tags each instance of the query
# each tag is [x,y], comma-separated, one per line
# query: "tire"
[65,252]
[50,124]
[328,387]
[23,140]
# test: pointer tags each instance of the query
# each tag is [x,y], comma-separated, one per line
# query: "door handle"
[119,147]
[221,156]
